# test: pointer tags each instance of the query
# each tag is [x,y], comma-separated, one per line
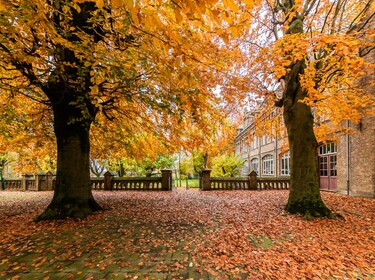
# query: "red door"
[328,172]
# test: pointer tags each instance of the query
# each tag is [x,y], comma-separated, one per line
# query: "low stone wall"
[43,182]
[251,182]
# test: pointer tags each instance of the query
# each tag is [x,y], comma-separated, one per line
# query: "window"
[327,165]
[245,146]
[332,167]
[329,148]
[268,166]
[285,164]
[254,142]
[255,165]
[263,140]
[323,166]
[245,169]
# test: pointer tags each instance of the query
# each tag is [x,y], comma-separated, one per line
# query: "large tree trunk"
[304,196]
[68,91]
[72,196]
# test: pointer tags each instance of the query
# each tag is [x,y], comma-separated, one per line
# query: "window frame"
[328,148]
[285,164]
[252,162]
[268,165]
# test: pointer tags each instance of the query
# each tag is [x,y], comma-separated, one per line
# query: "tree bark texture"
[304,196]
[72,196]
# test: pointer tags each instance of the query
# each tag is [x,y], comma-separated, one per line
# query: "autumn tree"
[152,65]
[171,70]
[199,163]
[148,166]
[186,166]
[227,165]
[27,130]
[308,62]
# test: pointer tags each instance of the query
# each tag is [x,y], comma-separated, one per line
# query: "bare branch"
[366,51]
[352,25]
[307,9]
[326,18]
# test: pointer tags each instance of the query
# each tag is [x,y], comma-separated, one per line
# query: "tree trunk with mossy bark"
[72,195]
[304,196]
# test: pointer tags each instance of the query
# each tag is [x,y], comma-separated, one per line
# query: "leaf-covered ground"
[187,234]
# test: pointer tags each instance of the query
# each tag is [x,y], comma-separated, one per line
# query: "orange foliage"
[169,74]
[155,76]
[333,50]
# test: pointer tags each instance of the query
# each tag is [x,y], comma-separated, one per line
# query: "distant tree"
[97,167]
[227,165]
[148,167]
[118,167]
[198,161]
[186,166]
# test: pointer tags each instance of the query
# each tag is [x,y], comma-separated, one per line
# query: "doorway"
[327,166]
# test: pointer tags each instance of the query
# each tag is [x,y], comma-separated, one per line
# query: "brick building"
[346,166]
[261,154]
[356,166]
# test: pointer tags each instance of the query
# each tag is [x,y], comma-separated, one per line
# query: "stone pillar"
[166,179]
[206,180]
[253,180]
[49,181]
[24,182]
[108,181]
[37,182]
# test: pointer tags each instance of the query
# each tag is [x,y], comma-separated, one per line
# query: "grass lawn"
[191,183]
[187,234]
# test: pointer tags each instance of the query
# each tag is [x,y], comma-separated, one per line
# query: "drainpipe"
[277,162]
[260,167]
[276,159]
[248,158]
[347,163]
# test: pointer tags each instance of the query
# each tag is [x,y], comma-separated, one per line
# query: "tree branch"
[25,68]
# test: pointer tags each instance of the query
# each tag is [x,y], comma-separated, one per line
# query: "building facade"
[346,166]
[262,154]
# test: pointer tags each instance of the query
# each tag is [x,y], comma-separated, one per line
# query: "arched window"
[285,164]
[255,165]
[268,165]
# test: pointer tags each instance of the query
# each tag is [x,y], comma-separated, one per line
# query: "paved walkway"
[112,248]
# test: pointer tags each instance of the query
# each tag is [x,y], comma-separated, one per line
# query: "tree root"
[309,209]
[77,210]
